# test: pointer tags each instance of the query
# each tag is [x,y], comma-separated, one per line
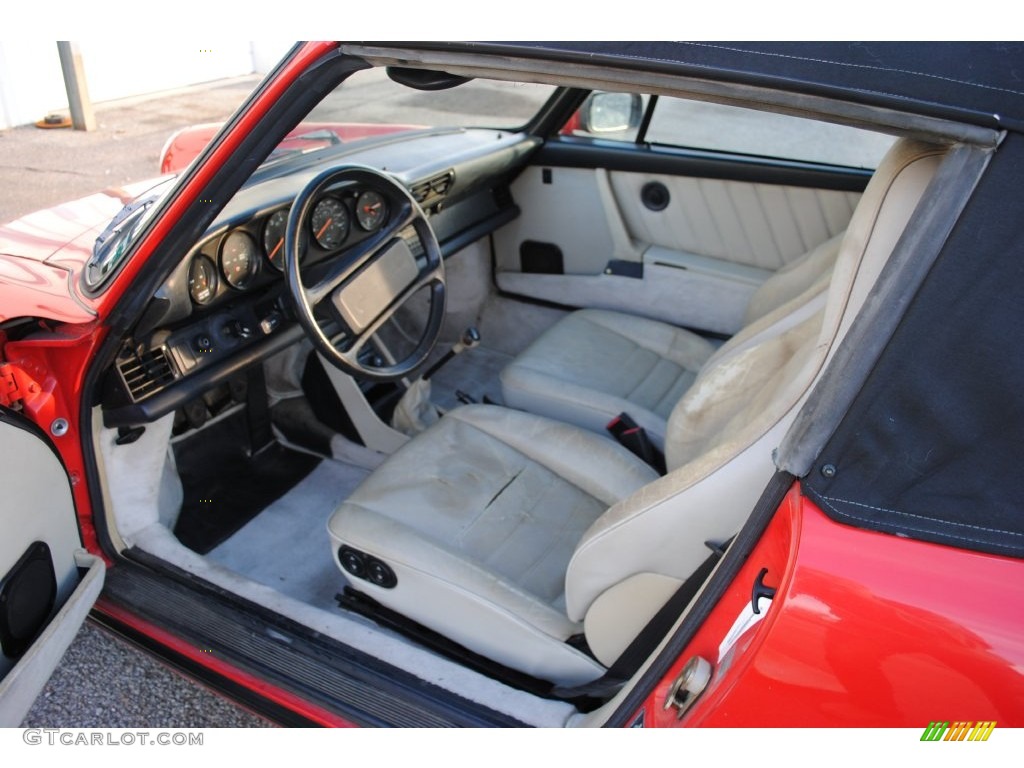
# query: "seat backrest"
[793,280]
[722,432]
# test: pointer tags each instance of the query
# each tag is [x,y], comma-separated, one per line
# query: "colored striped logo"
[960,731]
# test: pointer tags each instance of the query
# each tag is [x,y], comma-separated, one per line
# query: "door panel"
[571,208]
[691,253]
[760,225]
[48,582]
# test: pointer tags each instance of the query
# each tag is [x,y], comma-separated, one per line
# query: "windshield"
[371,98]
[369,104]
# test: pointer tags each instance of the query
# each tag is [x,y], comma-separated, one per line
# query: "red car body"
[185,145]
[866,628]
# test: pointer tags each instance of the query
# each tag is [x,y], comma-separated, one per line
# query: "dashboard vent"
[147,373]
[433,189]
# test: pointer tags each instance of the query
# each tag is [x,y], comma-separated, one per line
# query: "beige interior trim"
[377,435]
[759,225]
[611,622]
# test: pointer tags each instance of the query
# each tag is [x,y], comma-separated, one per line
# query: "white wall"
[31,84]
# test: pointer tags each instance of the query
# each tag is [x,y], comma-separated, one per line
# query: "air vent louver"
[147,373]
[433,189]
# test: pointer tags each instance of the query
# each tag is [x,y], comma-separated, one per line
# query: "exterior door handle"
[760,590]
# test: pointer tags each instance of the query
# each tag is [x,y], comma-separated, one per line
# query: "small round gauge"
[239,259]
[371,210]
[273,238]
[202,280]
[330,223]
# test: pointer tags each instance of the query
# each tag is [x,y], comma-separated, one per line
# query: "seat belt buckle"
[633,438]
[620,425]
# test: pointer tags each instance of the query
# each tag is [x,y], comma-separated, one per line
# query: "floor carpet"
[474,372]
[286,546]
[224,487]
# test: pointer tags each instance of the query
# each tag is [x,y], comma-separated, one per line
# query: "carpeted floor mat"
[224,487]
[286,546]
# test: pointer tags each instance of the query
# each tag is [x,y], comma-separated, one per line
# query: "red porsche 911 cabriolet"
[614,384]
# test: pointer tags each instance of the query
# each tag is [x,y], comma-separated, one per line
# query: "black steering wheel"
[362,286]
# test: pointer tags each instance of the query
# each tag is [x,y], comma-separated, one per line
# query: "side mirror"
[605,112]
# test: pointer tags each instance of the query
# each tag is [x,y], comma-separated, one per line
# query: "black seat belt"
[643,645]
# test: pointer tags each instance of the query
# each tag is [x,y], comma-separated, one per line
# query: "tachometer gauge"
[273,238]
[330,223]
[371,210]
[202,280]
[239,259]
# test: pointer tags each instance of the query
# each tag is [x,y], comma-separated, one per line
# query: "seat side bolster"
[662,529]
[596,465]
[619,613]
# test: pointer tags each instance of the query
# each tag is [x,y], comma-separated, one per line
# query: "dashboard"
[225,305]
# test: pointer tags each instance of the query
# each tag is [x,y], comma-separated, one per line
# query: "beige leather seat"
[510,532]
[595,364]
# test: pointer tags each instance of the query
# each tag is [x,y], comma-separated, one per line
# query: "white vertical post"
[82,117]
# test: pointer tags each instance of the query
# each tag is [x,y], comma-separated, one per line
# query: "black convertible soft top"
[980,83]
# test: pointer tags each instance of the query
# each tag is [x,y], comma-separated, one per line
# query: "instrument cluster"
[252,252]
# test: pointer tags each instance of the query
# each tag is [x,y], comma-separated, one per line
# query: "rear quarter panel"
[865,630]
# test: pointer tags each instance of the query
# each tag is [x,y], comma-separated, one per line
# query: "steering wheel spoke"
[410,215]
[369,282]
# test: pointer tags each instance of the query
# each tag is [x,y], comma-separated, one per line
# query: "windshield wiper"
[117,224]
[116,237]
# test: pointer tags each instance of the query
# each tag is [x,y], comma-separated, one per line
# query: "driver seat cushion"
[478,518]
[595,364]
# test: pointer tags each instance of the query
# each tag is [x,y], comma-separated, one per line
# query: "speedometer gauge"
[330,223]
[239,259]
[273,237]
[371,210]
[202,280]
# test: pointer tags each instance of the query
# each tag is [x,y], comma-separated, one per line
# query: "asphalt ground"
[103,682]
[40,168]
